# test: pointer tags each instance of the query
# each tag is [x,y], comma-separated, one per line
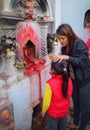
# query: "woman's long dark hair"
[60,68]
[66,30]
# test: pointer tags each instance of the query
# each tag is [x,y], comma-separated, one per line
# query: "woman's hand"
[59,58]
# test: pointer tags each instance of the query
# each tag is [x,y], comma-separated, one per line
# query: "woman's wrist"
[67,58]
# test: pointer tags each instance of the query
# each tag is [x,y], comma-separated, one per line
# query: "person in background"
[57,95]
[75,51]
[88,46]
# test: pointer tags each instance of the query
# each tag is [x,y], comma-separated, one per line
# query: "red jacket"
[88,45]
[59,104]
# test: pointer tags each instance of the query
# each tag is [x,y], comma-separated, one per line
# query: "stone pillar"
[44,31]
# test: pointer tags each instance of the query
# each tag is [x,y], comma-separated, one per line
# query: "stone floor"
[41,125]
[38,123]
[88,127]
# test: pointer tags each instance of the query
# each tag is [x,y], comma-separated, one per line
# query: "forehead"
[61,36]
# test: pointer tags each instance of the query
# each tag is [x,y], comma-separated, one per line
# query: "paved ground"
[88,127]
[39,124]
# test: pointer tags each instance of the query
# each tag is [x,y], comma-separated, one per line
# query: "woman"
[75,52]
[57,95]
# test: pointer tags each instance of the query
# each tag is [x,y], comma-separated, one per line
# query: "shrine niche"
[28,34]
[29,51]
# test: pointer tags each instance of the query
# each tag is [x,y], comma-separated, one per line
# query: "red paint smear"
[26,32]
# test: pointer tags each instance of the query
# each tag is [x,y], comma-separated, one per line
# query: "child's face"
[52,71]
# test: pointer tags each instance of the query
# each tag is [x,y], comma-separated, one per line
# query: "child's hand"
[54,57]
[42,114]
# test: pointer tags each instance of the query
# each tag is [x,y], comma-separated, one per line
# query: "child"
[57,95]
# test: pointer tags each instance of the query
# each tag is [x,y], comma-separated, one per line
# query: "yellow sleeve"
[46,98]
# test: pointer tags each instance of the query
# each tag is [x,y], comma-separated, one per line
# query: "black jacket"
[80,62]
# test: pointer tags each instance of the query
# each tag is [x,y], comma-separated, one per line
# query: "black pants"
[81,101]
[56,123]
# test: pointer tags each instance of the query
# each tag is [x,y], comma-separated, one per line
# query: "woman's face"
[63,40]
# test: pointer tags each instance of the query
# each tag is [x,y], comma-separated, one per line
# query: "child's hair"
[60,68]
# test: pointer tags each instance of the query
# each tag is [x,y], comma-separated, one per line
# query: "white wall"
[72,12]
[56,14]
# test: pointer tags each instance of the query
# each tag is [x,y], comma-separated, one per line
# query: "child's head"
[59,67]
